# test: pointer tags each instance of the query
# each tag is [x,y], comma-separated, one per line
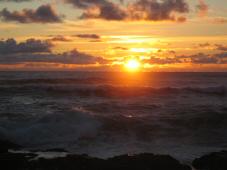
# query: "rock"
[84,162]
[51,150]
[6,145]
[212,161]
[56,150]
[145,162]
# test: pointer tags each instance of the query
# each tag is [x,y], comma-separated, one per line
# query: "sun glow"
[132,64]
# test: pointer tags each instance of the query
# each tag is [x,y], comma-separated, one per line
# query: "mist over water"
[107,114]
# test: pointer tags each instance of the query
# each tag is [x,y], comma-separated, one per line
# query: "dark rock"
[15,161]
[84,162]
[6,145]
[212,161]
[56,150]
[145,162]
[51,150]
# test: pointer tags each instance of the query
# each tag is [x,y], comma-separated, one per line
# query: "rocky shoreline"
[19,160]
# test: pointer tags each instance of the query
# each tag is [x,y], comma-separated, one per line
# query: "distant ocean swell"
[113,91]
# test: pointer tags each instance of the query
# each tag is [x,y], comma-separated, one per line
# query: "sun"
[132,65]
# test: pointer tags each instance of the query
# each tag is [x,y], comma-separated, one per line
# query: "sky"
[103,35]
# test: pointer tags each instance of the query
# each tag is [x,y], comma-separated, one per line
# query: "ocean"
[104,114]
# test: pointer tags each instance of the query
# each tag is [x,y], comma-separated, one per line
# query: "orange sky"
[165,35]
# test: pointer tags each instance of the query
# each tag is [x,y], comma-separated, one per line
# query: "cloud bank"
[90,36]
[39,51]
[200,58]
[150,10]
[10,46]
[43,14]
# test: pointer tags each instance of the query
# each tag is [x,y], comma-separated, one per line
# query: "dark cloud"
[15,0]
[107,11]
[200,58]
[221,55]
[60,38]
[162,61]
[76,57]
[152,10]
[221,47]
[84,4]
[10,46]
[90,36]
[39,51]
[203,45]
[202,8]
[181,19]
[120,48]
[172,52]
[158,10]
[43,14]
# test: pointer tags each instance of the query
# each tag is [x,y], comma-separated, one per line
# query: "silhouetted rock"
[29,161]
[5,145]
[145,162]
[56,150]
[84,162]
[50,150]
[213,161]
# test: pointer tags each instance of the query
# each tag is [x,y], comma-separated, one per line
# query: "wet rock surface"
[28,161]
[212,161]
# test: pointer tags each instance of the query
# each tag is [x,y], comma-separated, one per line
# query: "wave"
[53,81]
[112,91]
[58,128]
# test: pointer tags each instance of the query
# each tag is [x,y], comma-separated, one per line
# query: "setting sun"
[132,64]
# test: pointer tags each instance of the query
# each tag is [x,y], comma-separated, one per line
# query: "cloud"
[162,61]
[37,51]
[221,47]
[43,14]
[85,3]
[221,55]
[200,58]
[220,20]
[32,51]
[14,0]
[90,36]
[76,57]
[60,38]
[120,48]
[10,46]
[107,11]
[202,8]
[203,45]
[151,10]
[158,10]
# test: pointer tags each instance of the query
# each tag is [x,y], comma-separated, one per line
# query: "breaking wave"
[58,129]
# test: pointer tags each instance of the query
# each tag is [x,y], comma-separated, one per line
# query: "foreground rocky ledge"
[212,161]
[82,162]
[30,161]
[27,161]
